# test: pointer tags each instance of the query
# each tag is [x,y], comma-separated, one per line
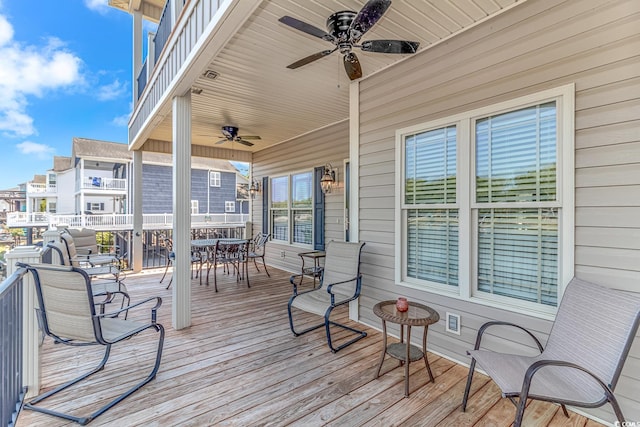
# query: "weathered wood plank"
[239,364]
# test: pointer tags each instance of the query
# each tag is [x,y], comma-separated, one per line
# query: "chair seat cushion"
[115,329]
[315,302]
[551,383]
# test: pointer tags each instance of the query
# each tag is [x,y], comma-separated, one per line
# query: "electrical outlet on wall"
[282,254]
[452,323]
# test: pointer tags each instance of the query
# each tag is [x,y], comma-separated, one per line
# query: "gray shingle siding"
[157,190]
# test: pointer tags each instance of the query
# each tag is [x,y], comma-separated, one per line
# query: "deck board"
[238,365]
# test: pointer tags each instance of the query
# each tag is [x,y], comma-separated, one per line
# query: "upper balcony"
[101,184]
[41,189]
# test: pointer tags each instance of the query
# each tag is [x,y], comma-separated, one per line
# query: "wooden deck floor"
[239,365]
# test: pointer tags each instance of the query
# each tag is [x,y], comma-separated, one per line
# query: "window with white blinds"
[280,208]
[292,203]
[430,212]
[516,165]
[487,202]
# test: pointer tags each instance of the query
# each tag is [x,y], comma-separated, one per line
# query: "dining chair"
[196,261]
[257,250]
[232,255]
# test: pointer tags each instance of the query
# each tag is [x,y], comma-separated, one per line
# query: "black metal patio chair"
[580,366]
[340,283]
[257,250]
[67,314]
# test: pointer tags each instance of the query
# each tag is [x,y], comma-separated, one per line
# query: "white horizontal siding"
[532,47]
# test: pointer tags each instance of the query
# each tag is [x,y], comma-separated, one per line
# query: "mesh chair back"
[66,303]
[594,328]
[342,262]
[71,248]
[60,254]
[259,243]
[85,239]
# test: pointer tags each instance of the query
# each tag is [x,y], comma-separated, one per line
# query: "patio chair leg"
[564,410]
[359,336]
[85,420]
[296,333]
[467,388]
[165,271]
[31,404]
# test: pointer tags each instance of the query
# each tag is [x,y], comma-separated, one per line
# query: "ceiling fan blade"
[222,141]
[310,58]
[367,17]
[306,28]
[352,66]
[249,137]
[243,142]
[390,46]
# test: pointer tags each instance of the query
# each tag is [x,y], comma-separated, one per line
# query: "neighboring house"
[11,200]
[214,186]
[96,180]
[483,172]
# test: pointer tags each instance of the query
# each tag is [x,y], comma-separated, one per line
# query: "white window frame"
[215,179]
[195,207]
[465,201]
[291,210]
[230,206]
[96,206]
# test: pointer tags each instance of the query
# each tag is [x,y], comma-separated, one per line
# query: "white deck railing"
[117,221]
[107,184]
[33,188]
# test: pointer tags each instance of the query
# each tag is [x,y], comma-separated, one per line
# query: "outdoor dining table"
[206,249]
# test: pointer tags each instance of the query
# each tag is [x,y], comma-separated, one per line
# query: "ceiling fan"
[345,29]
[230,133]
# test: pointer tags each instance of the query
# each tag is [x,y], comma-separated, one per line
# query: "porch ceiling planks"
[238,364]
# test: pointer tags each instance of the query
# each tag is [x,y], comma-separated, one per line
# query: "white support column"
[81,189]
[137,51]
[176,8]
[136,204]
[181,310]
[354,161]
[151,55]
[31,365]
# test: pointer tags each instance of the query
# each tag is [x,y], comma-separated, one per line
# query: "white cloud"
[27,70]
[122,120]
[100,6]
[6,31]
[41,151]
[111,91]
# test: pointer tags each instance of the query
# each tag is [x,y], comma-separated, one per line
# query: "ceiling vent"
[210,74]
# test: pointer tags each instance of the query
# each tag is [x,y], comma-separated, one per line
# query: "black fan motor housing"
[338,24]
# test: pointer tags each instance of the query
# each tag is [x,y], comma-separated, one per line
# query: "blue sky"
[65,71]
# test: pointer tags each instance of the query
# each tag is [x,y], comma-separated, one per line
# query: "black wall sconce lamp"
[254,189]
[328,178]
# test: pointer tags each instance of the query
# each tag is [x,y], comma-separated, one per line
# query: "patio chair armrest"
[484,327]
[536,366]
[154,309]
[355,295]
[292,280]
